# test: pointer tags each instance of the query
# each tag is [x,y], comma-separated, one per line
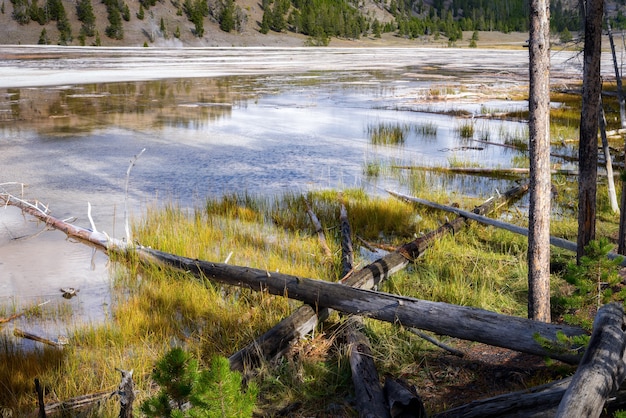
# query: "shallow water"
[212,122]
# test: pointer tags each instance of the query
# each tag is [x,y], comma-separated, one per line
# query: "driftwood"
[601,370]
[19,333]
[41,412]
[442,318]
[79,402]
[347,253]
[543,401]
[608,160]
[369,396]
[17,315]
[319,230]
[301,322]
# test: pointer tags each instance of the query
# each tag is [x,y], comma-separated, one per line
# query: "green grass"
[388,133]
[465,130]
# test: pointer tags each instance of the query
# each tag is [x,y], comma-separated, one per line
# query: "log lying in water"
[442,318]
[513,172]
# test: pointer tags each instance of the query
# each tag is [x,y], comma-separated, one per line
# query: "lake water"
[215,121]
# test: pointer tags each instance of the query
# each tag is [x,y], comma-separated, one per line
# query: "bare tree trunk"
[608,160]
[539,124]
[588,147]
[621,237]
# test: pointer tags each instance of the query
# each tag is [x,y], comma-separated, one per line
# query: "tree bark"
[347,253]
[442,318]
[588,147]
[539,147]
[369,397]
[403,402]
[601,370]
[126,390]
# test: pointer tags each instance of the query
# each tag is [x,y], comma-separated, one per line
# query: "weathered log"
[347,253]
[97,239]
[557,242]
[369,397]
[536,402]
[499,172]
[79,402]
[19,333]
[602,368]
[437,343]
[442,318]
[319,230]
[301,322]
[403,402]
[380,270]
[608,160]
[126,391]
[41,413]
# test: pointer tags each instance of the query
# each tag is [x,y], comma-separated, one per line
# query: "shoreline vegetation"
[154,309]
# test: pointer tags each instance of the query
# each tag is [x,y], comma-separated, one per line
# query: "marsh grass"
[388,133]
[465,130]
[154,309]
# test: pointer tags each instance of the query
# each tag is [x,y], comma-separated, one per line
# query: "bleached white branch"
[130,167]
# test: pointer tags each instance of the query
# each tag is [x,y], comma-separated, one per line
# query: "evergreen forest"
[321,20]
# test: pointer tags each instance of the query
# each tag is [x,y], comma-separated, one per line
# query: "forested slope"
[313,22]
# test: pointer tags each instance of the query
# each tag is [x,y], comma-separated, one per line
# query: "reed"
[388,133]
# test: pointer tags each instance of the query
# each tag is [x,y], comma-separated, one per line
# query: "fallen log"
[305,318]
[319,230]
[347,253]
[499,172]
[403,401]
[535,402]
[557,242]
[371,275]
[601,370]
[300,323]
[79,402]
[369,396]
[19,333]
[442,318]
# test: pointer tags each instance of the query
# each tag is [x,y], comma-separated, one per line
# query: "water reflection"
[205,137]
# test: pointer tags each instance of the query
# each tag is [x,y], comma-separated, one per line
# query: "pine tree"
[43,37]
[227,16]
[141,12]
[216,392]
[84,10]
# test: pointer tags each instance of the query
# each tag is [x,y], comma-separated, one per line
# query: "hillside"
[319,22]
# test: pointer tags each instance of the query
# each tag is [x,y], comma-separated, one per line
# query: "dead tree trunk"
[442,318]
[601,370]
[608,160]
[588,147]
[319,230]
[539,147]
[347,253]
[126,390]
